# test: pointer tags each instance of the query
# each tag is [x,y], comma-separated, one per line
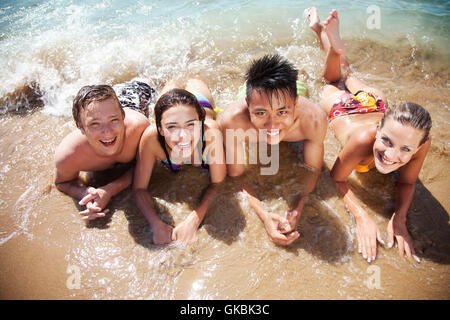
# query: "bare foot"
[313,17]
[331,27]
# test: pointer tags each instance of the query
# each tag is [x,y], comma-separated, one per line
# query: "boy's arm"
[272,222]
[233,142]
[67,166]
[67,180]
[315,128]
[235,159]
[100,196]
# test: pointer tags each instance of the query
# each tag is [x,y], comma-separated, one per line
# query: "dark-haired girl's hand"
[186,231]
[397,228]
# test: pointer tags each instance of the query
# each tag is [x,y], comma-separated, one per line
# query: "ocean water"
[50,49]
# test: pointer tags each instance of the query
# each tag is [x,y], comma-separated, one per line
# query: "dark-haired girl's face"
[395,145]
[181,128]
[274,118]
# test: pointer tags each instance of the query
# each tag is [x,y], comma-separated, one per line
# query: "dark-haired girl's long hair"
[173,98]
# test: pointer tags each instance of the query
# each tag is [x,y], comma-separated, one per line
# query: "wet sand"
[42,236]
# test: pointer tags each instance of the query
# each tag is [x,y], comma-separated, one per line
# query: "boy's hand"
[95,201]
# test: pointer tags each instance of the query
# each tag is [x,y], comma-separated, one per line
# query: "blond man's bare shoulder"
[72,149]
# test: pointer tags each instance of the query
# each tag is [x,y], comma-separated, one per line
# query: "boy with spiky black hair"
[273,111]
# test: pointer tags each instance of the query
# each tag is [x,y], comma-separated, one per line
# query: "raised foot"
[312,15]
[331,28]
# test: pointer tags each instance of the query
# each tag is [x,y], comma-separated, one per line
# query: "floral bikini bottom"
[361,102]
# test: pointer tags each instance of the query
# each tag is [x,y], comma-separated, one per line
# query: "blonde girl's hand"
[368,234]
[397,229]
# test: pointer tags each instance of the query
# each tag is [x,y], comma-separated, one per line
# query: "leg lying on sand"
[312,15]
[331,28]
[335,62]
[193,85]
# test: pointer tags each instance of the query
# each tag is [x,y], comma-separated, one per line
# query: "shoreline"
[45,248]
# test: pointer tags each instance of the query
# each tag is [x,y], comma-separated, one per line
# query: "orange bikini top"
[362,168]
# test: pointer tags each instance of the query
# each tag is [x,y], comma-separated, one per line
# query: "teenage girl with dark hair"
[185,133]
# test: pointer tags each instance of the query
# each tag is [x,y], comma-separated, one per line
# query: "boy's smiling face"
[102,122]
[272,117]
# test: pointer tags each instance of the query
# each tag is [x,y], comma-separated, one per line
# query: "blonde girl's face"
[395,145]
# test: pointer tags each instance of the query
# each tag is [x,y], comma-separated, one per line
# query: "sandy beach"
[48,252]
